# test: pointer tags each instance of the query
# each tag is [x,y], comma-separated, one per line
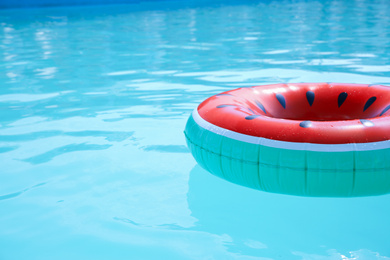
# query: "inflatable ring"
[310,139]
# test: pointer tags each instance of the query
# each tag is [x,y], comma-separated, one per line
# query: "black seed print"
[385,110]
[342,97]
[305,124]
[366,122]
[310,97]
[281,100]
[260,106]
[251,117]
[221,106]
[369,103]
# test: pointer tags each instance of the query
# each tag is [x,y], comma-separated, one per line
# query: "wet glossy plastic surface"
[295,172]
[323,113]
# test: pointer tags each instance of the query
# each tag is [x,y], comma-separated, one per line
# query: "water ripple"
[16,194]
[48,156]
[110,136]
[5,149]
[166,148]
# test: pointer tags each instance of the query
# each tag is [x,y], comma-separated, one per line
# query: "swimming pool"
[94,101]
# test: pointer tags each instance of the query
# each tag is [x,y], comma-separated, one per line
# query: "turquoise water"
[93,103]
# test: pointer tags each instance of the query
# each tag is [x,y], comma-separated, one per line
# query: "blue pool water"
[93,103]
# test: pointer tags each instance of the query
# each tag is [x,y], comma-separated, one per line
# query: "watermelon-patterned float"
[311,139]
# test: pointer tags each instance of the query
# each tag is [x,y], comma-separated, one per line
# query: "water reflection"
[270,225]
[324,183]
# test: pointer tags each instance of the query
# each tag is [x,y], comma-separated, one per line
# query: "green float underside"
[297,172]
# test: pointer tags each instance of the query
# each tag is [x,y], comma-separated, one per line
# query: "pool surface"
[93,104]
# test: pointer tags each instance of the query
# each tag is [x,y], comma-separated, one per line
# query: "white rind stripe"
[289,145]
